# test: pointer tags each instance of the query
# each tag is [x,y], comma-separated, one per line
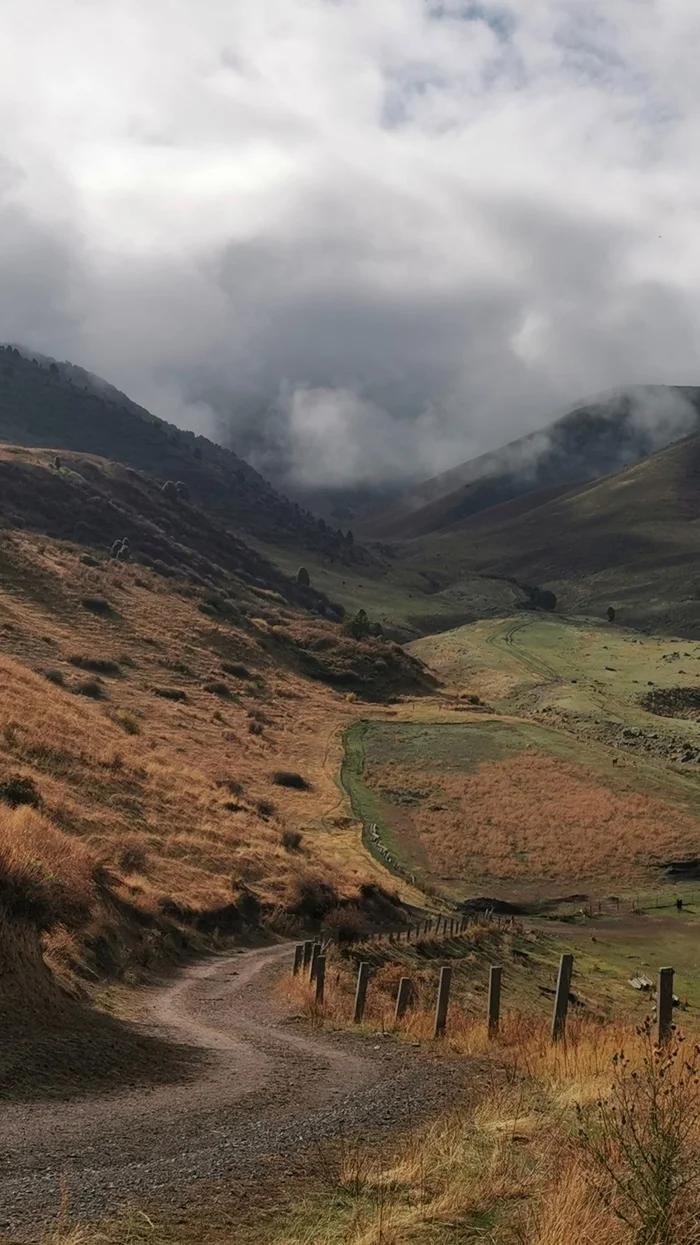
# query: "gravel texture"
[269,1087]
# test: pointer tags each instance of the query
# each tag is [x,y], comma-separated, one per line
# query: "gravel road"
[267,1087]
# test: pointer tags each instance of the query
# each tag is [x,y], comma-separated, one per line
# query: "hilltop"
[585,444]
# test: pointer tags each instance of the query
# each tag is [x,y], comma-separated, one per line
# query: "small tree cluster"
[121,550]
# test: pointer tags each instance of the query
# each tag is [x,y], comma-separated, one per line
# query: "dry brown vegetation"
[536,819]
[593,1140]
[157,818]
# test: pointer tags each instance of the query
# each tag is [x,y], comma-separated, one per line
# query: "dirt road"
[267,1087]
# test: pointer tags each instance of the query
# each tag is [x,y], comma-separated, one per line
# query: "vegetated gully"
[269,1088]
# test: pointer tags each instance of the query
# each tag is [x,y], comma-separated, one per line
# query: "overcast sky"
[372,238]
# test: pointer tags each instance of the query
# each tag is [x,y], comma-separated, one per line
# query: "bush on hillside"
[236,669]
[288,778]
[97,605]
[96,665]
[169,490]
[303,577]
[18,789]
[346,924]
[359,626]
[216,688]
[311,897]
[92,688]
[291,840]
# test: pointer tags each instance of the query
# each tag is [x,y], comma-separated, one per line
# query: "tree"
[611,614]
[360,625]
[350,538]
[169,490]
[303,577]
[182,490]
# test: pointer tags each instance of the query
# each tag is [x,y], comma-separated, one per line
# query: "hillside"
[59,406]
[168,751]
[585,444]
[629,540]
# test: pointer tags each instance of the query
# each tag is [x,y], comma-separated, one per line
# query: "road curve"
[265,1089]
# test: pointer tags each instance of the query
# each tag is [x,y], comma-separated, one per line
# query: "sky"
[358,240]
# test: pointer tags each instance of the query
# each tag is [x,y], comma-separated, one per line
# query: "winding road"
[267,1087]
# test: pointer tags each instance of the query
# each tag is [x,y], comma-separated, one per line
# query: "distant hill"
[62,407]
[585,444]
[631,540]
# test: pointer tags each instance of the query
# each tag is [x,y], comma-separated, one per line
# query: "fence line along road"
[406,995]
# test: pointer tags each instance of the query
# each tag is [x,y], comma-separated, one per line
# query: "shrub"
[642,1139]
[291,840]
[255,728]
[236,669]
[216,689]
[303,577]
[170,693]
[169,490]
[127,721]
[232,785]
[287,778]
[96,665]
[133,860]
[88,560]
[346,924]
[359,626]
[97,605]
[182,490]
[312,897]
[18,789]
[265,808]
[56,677]
[91,688]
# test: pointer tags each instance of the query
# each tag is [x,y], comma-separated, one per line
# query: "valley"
[208,750]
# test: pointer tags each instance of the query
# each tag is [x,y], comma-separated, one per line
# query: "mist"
[359,243]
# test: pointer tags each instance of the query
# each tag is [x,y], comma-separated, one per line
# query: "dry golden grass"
[518,1167]
[536,819]
[173,800]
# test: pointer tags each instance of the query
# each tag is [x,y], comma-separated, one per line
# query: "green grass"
[366,805]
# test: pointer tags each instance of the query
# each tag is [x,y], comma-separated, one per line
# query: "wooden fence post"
[494,1012]
[403,998]
[443,999]
[361,992]
[298,958]
[308,949]
[315,953]
[561,1002]
[664,1005]
[320,977]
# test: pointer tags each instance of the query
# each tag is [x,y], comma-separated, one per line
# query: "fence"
[311,955]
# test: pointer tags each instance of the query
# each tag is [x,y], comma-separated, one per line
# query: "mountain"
[631,540]
[585,444]
[62,407]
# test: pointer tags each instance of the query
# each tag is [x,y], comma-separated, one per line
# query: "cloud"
[359,241]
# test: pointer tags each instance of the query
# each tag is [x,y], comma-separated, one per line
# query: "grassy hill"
[168,751]
[60,406]
[629,540]
[587,443]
